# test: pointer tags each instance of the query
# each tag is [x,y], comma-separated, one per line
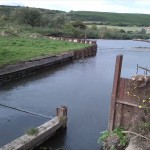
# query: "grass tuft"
[32,131]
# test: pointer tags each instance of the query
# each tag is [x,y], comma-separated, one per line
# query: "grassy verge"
[15,49]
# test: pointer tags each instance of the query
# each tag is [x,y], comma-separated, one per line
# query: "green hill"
[121,19]
[8,10]
[111,18]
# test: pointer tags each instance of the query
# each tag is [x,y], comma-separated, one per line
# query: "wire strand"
[28,112]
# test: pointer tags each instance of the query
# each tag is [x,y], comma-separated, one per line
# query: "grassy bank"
[15,49]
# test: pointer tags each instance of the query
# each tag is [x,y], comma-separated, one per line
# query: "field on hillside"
[112,18]
[15,49]
[133,28]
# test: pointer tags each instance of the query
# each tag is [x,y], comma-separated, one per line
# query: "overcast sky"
[122,6]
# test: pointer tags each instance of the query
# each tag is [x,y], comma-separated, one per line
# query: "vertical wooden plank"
[114,91]
[120,91]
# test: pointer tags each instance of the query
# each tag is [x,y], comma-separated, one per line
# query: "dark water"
[84,86]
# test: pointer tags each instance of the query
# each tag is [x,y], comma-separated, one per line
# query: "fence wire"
[28,112]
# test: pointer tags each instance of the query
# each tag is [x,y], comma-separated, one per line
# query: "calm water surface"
[84,86]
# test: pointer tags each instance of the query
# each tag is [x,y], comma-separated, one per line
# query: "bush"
[27,16]
[92,34]
[70,30]
[79,24]
[114,140]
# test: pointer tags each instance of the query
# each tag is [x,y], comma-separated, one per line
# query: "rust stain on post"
[114,91]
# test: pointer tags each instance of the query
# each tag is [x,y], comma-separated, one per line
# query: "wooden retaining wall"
[26,68]
[45,131]
[127,100]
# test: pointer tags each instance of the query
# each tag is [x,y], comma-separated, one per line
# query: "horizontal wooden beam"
[126,103]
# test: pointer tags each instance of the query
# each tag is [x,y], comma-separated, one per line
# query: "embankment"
[148,41]
[26,68]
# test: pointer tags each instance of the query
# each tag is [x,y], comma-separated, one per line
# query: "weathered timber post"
[114,91]
[93,50]
[62,115]
[77,54]
[89,51]
[86,52]
[88,42]
[83,41]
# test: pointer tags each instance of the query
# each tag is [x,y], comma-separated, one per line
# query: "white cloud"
[143,2]
[123,6]
[10,2]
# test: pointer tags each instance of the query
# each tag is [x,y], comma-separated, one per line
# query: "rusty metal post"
[117,74]
[62,115]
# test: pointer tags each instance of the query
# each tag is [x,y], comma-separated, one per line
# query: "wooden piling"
[89,52]
[86,52]
[114,91]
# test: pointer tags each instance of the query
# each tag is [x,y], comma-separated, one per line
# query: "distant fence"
[125,101]
[84,41]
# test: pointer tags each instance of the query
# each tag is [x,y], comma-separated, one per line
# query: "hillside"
[8,10]
[111,18]
[17,20]
[121,19]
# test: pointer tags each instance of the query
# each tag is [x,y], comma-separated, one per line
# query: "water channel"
[84,86]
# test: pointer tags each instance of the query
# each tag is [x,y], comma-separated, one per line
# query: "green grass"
[32,131]
[15,49]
